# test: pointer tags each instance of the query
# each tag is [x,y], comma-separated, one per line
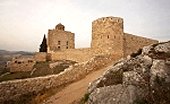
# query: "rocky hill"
[142,78]
[4,52]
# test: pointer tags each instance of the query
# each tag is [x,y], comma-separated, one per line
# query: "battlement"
[107,34]
[108,19]
[107,37]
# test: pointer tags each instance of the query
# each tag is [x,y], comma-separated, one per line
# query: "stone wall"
[141,79]
[107,37]
[19,64]
[132,43]
[78,55]
[40,56]
[12,90]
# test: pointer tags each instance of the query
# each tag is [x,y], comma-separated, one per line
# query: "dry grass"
[42,69]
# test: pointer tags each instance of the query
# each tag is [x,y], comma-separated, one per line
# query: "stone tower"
[107,34]
[59,39]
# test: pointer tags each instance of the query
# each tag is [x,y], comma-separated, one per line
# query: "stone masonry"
[59,39]
[108,37]
[107,34]
[12,91]
[143,78]
[19,64]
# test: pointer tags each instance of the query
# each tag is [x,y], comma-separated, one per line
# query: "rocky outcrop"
[142,78]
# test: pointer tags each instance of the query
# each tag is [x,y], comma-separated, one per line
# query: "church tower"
[59,39]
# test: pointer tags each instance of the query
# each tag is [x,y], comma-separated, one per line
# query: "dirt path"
[75,90]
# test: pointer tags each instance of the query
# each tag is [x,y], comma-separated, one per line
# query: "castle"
[108,37]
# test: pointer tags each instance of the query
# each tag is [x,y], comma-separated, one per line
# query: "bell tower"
[59,39]
[60,27]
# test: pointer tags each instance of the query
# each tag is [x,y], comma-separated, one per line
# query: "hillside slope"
[75,91]
[143,78]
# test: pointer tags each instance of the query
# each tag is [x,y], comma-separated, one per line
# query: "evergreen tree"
[43,46]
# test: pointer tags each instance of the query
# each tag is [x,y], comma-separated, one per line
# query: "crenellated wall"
[107,34]
[109,43]
[107,37]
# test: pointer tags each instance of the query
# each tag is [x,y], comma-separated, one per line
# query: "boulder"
[141,79]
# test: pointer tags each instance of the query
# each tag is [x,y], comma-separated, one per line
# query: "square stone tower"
[107,34]
[59,39]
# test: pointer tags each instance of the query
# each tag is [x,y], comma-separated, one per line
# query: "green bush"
[84,99]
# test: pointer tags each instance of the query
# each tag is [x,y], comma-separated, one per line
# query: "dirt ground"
[74,91]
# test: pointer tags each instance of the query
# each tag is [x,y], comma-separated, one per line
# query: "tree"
[43,46]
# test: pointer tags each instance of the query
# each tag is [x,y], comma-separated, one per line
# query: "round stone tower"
[107,34]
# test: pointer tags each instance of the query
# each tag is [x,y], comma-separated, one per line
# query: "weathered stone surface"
[110,77]
[21,63]
[133,43]
[13,90]
[40,56]
[160,71]
[132,78]
[163,48]
[107,37]
[158,51]
[59,39]
[145,79]
[117,94]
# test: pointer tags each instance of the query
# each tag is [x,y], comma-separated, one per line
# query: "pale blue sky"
[23,22]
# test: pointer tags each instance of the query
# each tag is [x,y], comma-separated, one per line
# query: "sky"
[24,22]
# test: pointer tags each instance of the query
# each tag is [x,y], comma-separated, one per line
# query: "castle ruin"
[108,37]
[21,63]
